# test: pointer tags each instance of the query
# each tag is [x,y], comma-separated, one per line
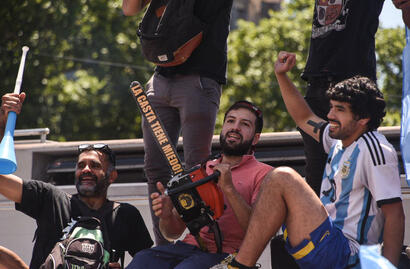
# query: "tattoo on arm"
[316,125]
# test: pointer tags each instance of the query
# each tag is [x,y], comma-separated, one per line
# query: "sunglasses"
[251,106]
[98,147]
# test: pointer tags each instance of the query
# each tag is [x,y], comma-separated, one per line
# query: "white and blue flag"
[405,113]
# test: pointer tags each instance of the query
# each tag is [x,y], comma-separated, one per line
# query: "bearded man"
[54,209]
[240,178]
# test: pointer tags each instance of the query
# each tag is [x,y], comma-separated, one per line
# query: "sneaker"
[230,263]
[225,262]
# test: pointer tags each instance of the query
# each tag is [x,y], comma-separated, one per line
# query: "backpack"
[169,32]
[84,245]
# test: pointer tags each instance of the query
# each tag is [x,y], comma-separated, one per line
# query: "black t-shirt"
[209,59]
[53,209]
[343,39]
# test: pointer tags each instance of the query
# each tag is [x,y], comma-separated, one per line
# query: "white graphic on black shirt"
[329,15]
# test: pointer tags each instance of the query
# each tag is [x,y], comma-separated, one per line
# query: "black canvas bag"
[169,31]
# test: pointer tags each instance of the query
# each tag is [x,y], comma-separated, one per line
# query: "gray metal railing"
[42,132]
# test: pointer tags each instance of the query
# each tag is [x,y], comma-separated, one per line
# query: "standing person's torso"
[209,59]
[357,180]
[343,39]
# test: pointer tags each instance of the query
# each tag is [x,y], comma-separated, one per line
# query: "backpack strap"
[119,255]
[108,215]
[113,210]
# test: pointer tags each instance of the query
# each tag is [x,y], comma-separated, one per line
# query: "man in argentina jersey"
[360,194]
[358,180]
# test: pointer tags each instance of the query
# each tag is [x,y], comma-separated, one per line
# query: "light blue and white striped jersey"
[357,180]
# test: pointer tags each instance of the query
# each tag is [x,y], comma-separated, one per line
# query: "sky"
[390,16]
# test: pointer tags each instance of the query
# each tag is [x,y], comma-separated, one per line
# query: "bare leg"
[284,198]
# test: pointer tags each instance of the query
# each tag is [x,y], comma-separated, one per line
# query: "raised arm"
[296,105]
[170,224]
[132,7]
[404,5]
[9,102]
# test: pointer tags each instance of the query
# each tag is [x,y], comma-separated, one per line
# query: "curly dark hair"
[364,97]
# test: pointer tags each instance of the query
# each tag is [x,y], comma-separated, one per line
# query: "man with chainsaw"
[54,209]
[240,178]
[186,96]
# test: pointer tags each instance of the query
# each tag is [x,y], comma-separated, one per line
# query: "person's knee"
[283,176]
[287,182]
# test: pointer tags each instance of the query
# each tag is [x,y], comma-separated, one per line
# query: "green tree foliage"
[253,50]
[252,53]
[83,56]
[389,47]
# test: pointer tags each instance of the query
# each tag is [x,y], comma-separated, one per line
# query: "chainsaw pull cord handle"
[194,184]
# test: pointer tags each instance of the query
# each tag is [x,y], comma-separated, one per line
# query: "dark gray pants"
[186,104]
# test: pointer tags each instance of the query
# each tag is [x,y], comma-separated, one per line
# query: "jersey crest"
[345,169]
